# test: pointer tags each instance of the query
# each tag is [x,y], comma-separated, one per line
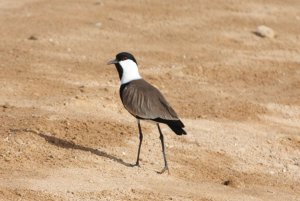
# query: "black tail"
[176,125]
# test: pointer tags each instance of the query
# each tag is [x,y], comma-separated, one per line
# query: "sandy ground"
[64,134]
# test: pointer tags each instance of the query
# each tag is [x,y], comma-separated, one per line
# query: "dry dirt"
[64,134]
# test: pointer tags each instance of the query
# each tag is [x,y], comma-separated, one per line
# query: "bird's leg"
[140,144]
[161,137]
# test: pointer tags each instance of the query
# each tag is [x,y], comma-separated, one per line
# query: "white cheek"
[130,71]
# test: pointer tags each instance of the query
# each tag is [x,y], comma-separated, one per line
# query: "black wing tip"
[177,126]
[178,130]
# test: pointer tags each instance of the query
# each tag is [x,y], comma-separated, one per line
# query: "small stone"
[82,87]
[233,183]
[98,3]
[18,193]
[98,24]
[264,32]
[227,182]
[6,159]
[19,141]
[293,168]
[284,170]
[32,37]
[5,106]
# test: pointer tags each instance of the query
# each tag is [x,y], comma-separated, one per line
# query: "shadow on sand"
[71,145]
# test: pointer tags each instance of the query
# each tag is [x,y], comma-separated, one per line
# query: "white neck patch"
[130,71]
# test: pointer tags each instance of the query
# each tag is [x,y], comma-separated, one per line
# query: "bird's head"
[122,57]
[126,66]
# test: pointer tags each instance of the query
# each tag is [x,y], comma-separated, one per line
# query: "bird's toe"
[164,170]
[135,165]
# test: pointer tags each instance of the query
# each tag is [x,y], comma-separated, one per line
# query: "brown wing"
[143,100]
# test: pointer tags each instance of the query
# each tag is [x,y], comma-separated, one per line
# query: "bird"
[145,102]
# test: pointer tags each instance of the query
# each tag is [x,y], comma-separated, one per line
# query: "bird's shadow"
[71,145]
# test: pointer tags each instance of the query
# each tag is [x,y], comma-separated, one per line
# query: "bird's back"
[143,100]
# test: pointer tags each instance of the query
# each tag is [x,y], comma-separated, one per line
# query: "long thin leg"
[140,144]
[161,137]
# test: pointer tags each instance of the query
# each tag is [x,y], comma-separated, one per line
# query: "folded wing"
[144,101]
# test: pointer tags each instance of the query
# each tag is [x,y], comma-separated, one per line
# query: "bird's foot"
[163,170]
[135,165]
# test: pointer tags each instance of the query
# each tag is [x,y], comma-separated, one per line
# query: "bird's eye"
[125,58]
